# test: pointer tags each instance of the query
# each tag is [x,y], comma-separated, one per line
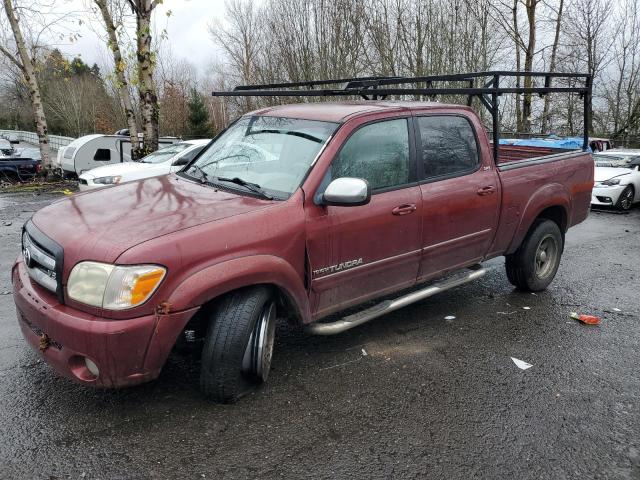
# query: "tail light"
[38,167]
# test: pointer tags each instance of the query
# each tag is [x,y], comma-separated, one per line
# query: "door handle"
[488,190]
[404,209]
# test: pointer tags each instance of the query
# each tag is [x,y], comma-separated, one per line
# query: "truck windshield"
[272,153]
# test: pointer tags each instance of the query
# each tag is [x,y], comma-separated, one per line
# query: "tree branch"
[12,58]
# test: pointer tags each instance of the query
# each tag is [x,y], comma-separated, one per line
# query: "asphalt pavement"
[409,395]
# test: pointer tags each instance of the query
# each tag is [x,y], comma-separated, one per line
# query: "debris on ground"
[364,352]
[586,319]
[616,309]
[526,308]
[448,318]
[506,313]
[521,364]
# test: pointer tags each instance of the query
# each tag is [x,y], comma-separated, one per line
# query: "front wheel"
[625,200]
[534,265]
[238,347]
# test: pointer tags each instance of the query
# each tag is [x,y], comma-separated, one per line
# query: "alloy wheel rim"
[259,351]
[546,256]
[625,203]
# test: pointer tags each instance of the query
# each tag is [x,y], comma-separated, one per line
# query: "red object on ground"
[588,319]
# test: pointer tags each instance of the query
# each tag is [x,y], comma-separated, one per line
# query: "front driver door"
[357,253]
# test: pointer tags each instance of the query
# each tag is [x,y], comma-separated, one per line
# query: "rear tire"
[236,356]
[534,265]
[625,200]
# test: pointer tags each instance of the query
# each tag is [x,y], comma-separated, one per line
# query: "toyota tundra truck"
[324,214]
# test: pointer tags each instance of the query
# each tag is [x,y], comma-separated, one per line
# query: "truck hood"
[100,225]
[117,169]
[605,173]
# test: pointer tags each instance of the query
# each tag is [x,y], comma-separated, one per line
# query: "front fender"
[551,195]
[224,277]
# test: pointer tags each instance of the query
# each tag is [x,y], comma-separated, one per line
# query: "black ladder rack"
[379,88]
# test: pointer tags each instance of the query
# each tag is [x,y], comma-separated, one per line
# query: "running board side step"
[358,318]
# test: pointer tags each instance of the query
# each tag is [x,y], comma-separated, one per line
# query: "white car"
[617,178]
[161,162]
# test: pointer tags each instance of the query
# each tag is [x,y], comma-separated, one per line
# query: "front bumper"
[127,352]
[606,195]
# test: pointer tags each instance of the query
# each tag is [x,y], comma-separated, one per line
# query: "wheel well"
[556,214]
[285,304]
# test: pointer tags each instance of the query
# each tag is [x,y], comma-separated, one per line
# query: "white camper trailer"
[92,151]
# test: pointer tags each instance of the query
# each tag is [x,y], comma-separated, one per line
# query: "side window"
[378,152]
[448,145]
[102,155]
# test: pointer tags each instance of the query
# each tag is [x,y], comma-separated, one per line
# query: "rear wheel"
[625,200]
[238,347]
[534,265]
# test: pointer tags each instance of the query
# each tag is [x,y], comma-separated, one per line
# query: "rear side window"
[378,152]
[448,145]
[102,155]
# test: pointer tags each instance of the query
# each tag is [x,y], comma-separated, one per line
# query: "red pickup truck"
[295,212]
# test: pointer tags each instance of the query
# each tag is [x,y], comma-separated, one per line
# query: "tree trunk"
[528,63]
[516,39]
[146,67]
[552,68]
[28,71]
[121,79]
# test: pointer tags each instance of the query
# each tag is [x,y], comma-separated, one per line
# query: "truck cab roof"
[342,111]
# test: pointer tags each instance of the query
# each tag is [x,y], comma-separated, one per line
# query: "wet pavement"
[432,398]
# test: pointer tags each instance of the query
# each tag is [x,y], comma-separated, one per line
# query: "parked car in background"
[21,164]
[161,162]
[6,149]
[600,144]
[617,178]
[92,151]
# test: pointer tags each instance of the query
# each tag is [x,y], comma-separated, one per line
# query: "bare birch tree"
[143,10]
[121,81]
[25,63]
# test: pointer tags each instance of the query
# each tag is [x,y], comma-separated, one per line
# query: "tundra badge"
[337,268]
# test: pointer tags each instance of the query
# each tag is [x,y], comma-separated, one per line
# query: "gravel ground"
[409,395]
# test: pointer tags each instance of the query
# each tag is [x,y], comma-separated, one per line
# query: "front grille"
[43,259]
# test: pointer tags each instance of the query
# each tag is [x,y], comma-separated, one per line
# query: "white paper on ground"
[449,317]
[617,310]
[521,364]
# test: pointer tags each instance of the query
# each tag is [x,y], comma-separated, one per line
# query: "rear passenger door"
[460,193]
[357,253]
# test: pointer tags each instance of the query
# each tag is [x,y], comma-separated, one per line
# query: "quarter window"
[378,152]
[448,145]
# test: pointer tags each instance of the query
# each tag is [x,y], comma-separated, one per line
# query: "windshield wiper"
[204,177]
[254,187]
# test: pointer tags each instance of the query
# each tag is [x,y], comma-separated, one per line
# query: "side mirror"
[180,161]
[347,192]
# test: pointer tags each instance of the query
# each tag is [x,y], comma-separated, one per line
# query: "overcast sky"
[187,28]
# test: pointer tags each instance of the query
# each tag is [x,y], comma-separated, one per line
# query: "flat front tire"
[238,347]
[534,265]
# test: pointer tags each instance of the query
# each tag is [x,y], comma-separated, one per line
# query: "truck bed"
[515,153]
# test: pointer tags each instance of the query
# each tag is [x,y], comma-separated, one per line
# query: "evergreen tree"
[199,125]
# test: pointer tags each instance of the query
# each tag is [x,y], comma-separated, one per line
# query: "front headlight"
[108,180]
[113,287]
[611,182]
